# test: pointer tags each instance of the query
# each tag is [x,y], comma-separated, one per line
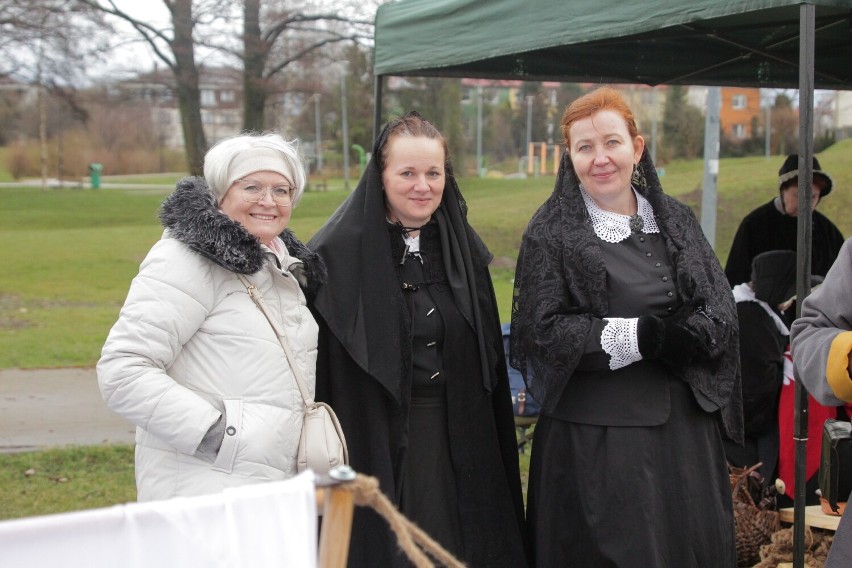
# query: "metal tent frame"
[753,43]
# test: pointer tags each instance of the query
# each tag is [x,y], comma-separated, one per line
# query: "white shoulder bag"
[322,445]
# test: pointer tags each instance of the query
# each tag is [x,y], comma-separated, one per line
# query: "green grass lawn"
[5,176]
[56,481]
[68,257]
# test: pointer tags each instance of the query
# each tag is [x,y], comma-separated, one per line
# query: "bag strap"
[257,297]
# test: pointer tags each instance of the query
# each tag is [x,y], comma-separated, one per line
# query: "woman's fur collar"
[190,215]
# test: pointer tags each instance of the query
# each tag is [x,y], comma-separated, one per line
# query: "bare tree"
[47,42]
[303,25]
[176,48]
[44,43]
[33,34]
[288,35]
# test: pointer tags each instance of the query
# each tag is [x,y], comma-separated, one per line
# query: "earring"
[636,178]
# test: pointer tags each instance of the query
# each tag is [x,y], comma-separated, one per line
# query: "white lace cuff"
[620,342]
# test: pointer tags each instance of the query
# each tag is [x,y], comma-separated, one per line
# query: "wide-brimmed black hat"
[790,170]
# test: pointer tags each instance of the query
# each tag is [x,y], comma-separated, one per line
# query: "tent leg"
[377,108]
[803,273]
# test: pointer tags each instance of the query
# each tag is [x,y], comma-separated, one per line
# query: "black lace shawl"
[560,285]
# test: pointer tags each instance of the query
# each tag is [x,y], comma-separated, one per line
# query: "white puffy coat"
[190,344]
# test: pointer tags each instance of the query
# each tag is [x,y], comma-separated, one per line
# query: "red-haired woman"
[625,328]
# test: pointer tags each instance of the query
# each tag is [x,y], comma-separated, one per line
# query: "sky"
[131,55]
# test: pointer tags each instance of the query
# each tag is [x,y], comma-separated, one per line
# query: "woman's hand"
[670,339]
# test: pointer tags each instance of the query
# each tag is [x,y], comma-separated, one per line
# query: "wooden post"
[338,507]
[542,167]
[556,159]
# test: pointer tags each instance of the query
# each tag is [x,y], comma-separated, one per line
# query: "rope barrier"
[413,541]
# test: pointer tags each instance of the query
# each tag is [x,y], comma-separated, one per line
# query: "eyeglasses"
[254,192]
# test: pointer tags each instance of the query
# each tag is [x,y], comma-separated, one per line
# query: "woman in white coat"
[191,360]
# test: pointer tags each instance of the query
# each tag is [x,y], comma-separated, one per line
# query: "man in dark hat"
[773,226]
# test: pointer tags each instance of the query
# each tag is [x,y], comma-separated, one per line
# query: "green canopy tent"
[694,42]
[753,43]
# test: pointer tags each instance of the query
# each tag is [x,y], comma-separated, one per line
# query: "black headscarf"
[361,300]
[561,270]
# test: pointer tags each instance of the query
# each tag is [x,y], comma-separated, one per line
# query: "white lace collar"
[614,228]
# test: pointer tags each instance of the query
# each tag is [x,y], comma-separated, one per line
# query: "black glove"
[669,339]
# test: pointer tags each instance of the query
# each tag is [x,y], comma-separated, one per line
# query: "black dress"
[628,470]
[429,493]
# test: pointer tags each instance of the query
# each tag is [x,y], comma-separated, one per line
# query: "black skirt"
[628,496]
[429,494]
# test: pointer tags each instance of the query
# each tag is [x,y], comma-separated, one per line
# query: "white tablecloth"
[269,524]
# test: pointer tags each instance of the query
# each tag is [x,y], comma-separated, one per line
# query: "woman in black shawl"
[625,329]
[411,356]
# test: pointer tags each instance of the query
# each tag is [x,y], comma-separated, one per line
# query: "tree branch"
[301,53]
[278,27]
[148,32]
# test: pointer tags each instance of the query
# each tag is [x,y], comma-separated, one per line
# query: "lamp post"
[654,125]
[767,131]
[529,119]
[344,117]
[479,131]
[318,137]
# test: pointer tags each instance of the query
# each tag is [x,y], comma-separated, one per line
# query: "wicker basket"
[754,524]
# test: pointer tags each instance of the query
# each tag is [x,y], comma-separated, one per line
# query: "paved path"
[42,408]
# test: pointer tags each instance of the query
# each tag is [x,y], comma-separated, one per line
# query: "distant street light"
[343,69]
[767,130]
[479,131]
[529,119]
[318,138]
[654,125]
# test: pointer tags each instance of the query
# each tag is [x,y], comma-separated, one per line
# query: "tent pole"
[803,263]
[377,107]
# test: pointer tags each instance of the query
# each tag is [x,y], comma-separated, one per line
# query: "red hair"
[602,98]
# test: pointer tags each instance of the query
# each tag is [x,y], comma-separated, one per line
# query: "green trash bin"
[95,174]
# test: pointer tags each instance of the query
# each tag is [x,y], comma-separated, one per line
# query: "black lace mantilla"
[560,285]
